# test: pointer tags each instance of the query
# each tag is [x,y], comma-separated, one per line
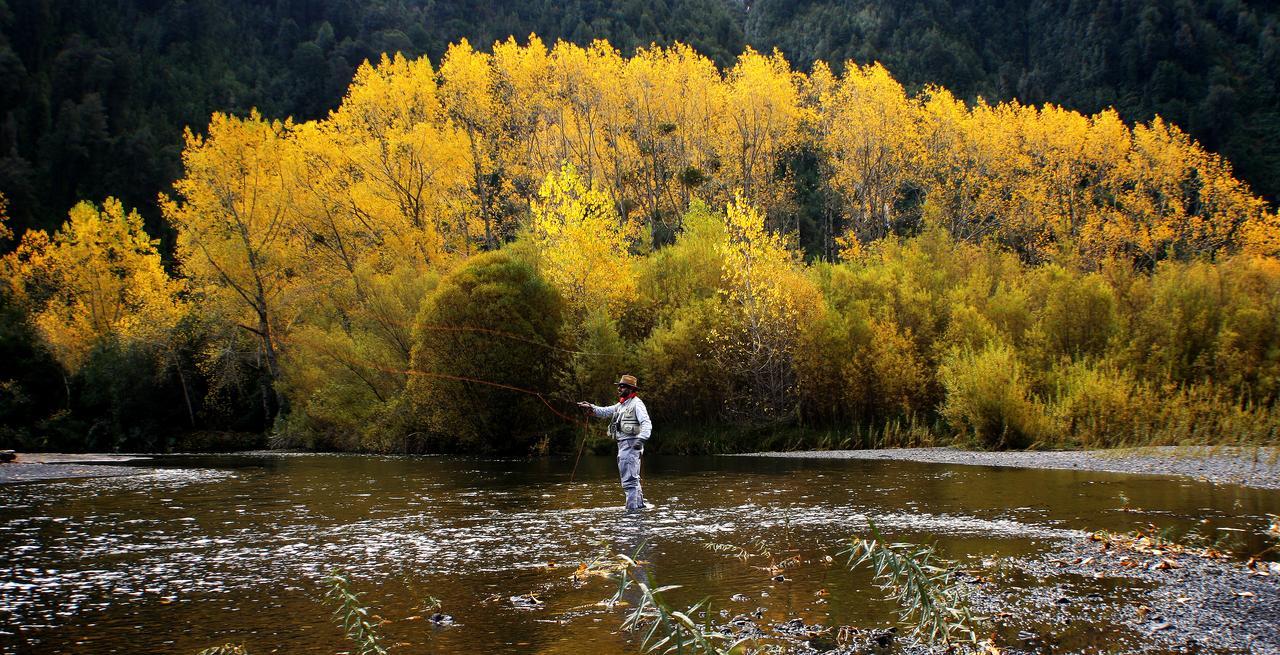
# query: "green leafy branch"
[353,616]
[669,630]
[924,586]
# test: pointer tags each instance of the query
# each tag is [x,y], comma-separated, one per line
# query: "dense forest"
[1207,66]
[114,332]
[95,95]
[465,246]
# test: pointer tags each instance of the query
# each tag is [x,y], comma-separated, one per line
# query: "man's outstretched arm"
[601,412]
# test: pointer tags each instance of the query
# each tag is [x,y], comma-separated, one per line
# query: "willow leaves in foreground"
[669,630]
[923,585]
[353,616]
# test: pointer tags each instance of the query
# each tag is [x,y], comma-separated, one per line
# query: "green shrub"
[600,356]
[1248,348]
[831,381]
[967,328]
[1079,314]
[901,380]
[988,396]
[681,380]
[1177,330]
[485,337]
[1100,407]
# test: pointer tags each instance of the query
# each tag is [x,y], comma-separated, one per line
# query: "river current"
[197,551]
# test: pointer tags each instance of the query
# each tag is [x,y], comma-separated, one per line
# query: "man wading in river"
[630,427]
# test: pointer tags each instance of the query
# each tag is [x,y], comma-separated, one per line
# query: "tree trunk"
[186,393]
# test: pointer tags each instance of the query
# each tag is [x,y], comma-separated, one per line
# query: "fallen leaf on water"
[1166,564]
[1183,600]
[1244,594]
[1086,561]
[412,618]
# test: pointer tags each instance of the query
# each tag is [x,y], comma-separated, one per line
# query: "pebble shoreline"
[1250,467]
[33,467]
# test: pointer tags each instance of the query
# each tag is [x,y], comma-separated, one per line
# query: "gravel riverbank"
[31,467]
[1251,467]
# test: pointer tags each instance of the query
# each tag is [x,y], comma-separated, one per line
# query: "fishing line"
[501,333]
[584,425]
[509,335]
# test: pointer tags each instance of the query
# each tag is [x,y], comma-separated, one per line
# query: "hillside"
[96,94]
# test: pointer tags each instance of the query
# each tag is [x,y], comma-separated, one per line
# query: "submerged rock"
[527,601]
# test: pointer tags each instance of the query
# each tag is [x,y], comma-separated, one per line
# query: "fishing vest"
[625,424]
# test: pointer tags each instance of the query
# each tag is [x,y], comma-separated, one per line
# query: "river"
[197,551]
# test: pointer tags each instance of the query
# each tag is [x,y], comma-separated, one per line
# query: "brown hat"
[629,380]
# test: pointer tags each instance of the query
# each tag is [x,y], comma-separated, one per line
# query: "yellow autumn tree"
[591,117]
[869,134]
[525,112]
[760,125]
[583,248]
[958,162]
[1177,199]
[237,239]
[766,300]
[345,367]
[97,280]
[674,96]
[405,165]
[467,93]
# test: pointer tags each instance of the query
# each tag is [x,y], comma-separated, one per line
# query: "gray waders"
[629,453]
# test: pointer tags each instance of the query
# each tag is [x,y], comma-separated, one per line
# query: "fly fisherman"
[630,427]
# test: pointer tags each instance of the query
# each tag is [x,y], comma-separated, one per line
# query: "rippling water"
[198,551]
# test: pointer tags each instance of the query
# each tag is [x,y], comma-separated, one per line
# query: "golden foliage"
[97,279]
[321,239]
[236,241]
[582,247]
[765,297]
[6,233]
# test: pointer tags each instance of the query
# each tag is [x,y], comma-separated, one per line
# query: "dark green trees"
[485,348]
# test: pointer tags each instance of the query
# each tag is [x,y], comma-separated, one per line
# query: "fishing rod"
[466,379]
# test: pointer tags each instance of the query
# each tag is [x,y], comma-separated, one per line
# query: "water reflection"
[203,550]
